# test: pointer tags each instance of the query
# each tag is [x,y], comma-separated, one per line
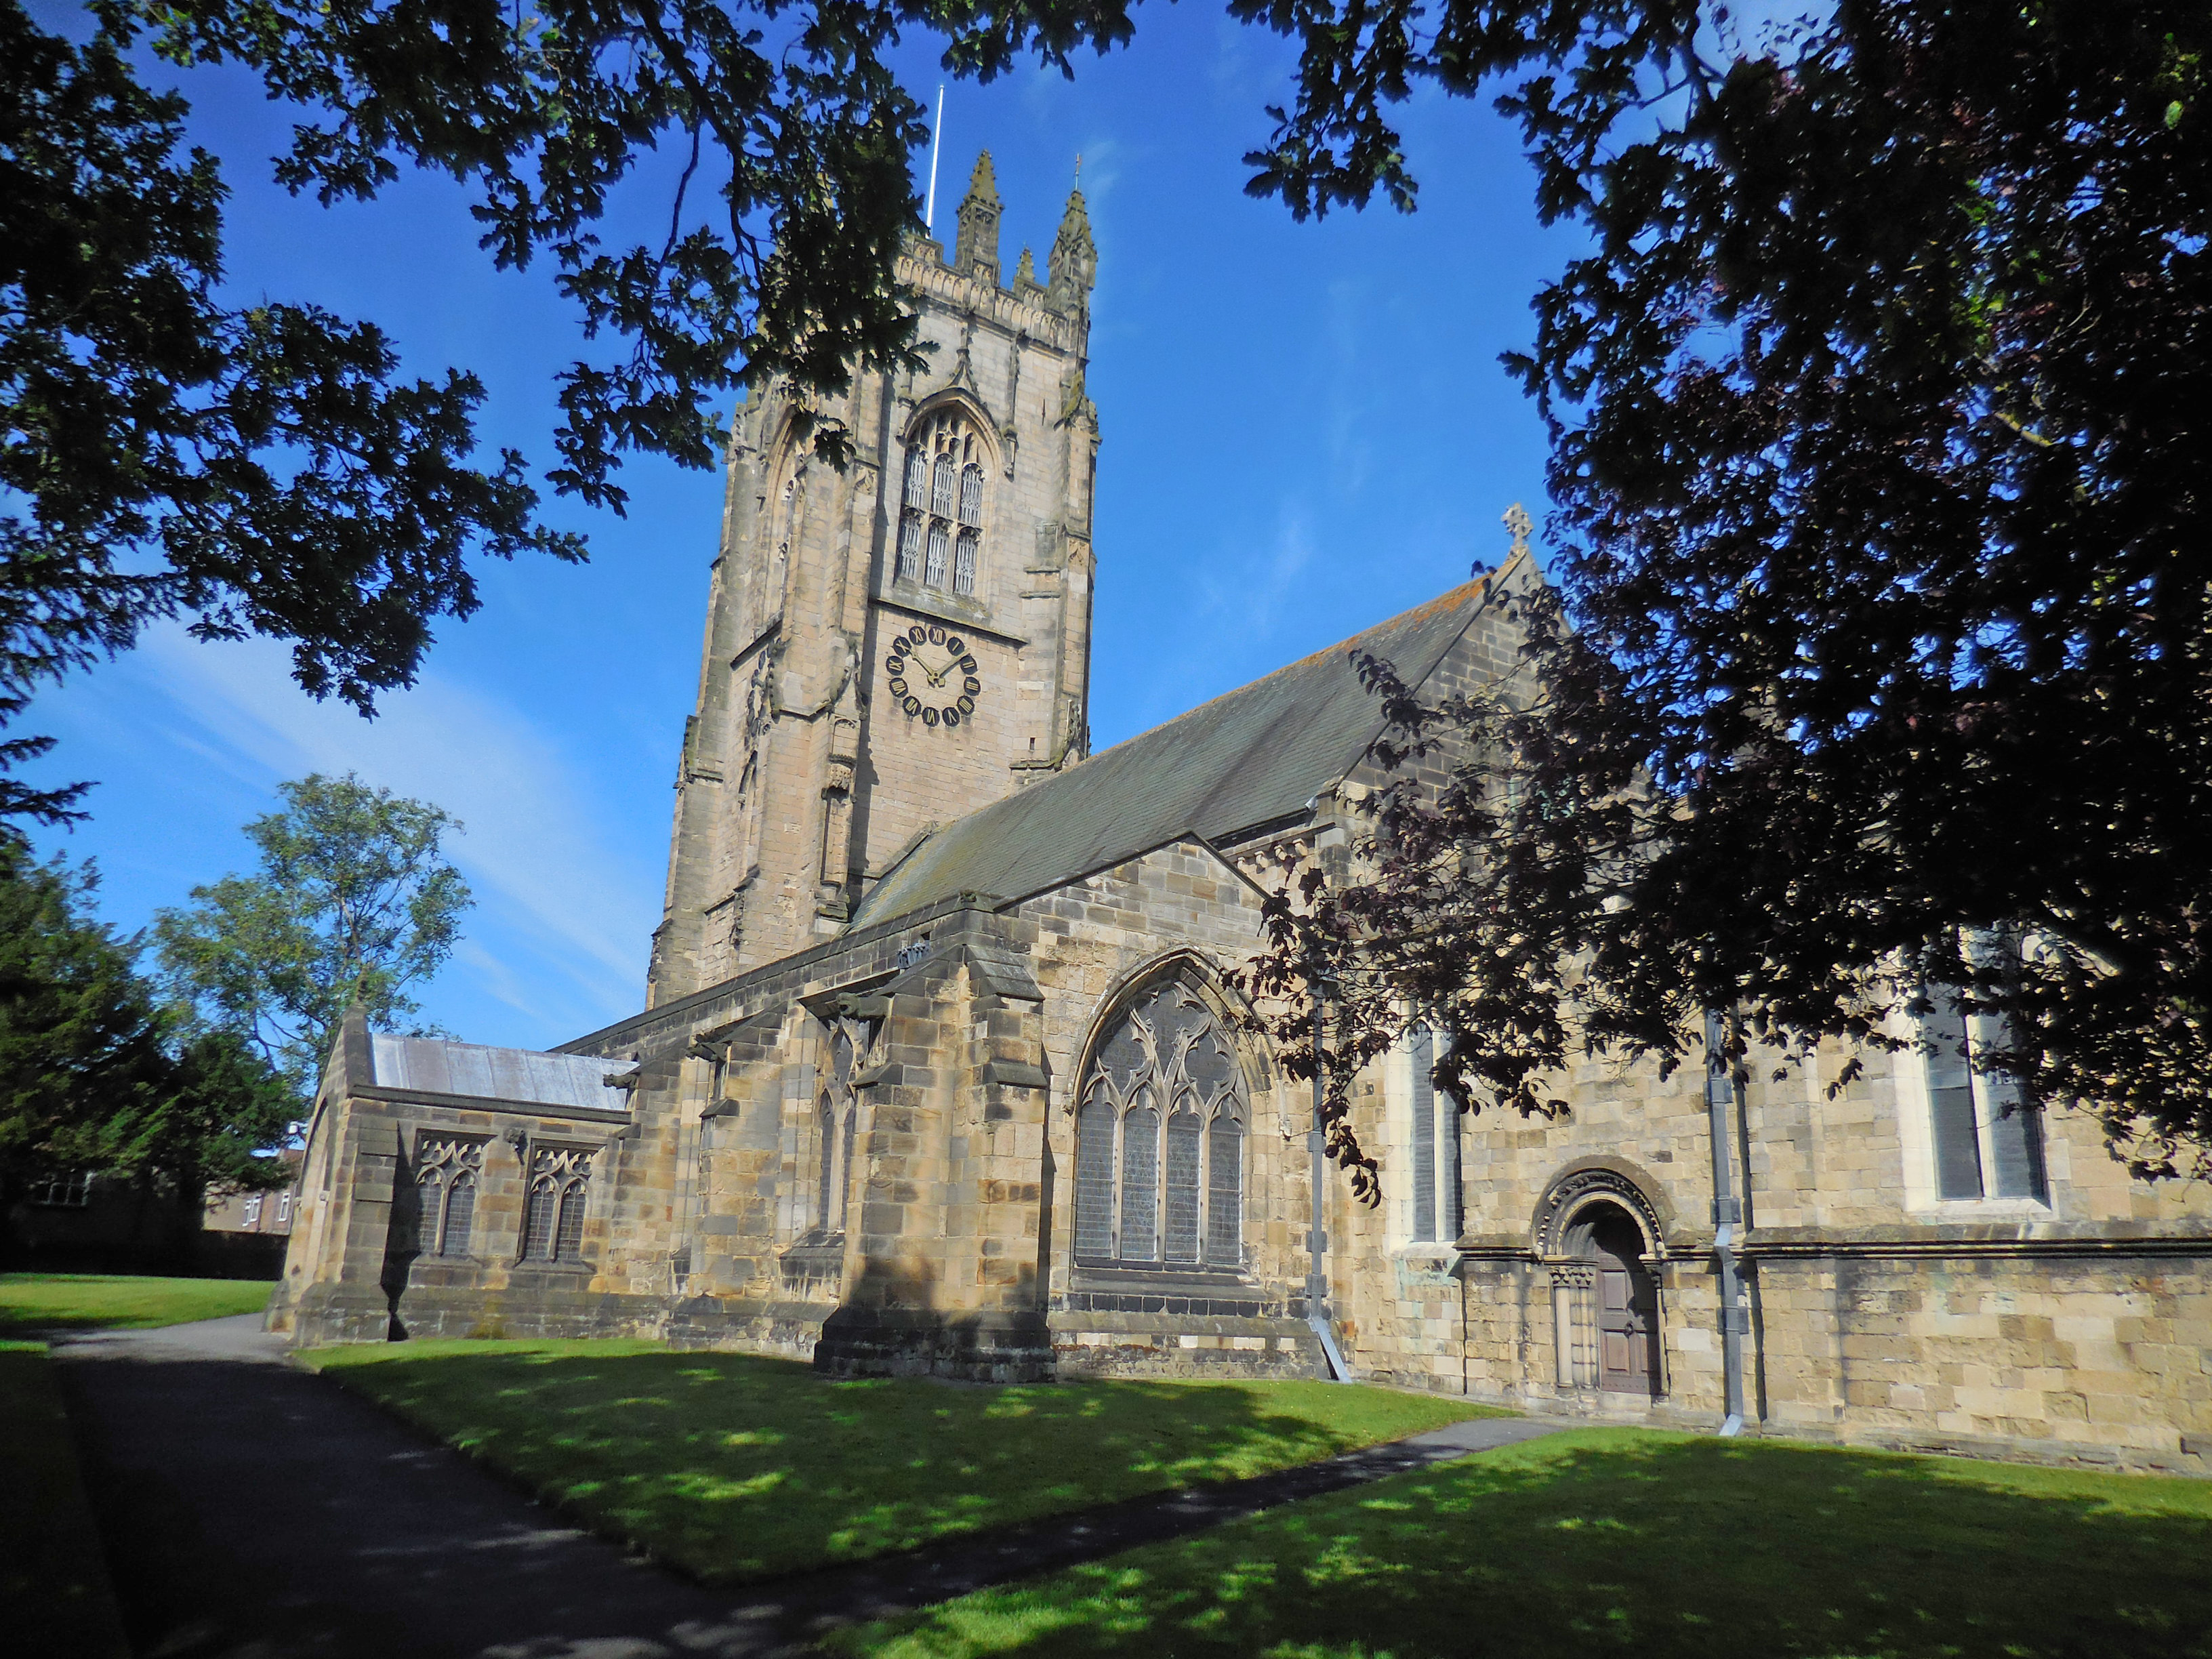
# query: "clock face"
[934,676]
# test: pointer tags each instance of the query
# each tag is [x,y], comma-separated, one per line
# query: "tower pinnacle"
[1074,267]
[976,251]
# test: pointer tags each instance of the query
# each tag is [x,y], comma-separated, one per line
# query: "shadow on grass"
[738,1468]
[54,1593]
[1614,1541]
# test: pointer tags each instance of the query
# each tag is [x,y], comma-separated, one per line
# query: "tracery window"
[447,1170]
[553,1223]
[837,1126]
[1160,1134]
[941,530]
[909,547]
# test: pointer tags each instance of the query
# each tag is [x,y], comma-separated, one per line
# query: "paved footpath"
[255,1511]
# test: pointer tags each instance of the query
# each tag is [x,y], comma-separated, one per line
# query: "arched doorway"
[1625,1299]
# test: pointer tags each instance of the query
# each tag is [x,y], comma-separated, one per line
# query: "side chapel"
[938,1070]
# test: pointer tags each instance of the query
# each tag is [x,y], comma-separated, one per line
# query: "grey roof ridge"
[1487,588]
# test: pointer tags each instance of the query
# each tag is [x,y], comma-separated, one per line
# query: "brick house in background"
[262,1213]
[940,1068]
[89,1221]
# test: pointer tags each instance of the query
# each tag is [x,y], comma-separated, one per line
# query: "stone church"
[939,1070]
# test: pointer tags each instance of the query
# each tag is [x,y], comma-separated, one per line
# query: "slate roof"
[1250,757]
[437,1066]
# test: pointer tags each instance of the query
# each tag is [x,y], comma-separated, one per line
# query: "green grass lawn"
[1619,1541]
[84,1301]
[736,1466]
[54,1593]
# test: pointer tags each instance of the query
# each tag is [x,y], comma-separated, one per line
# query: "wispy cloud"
[1255,588]
[533,848]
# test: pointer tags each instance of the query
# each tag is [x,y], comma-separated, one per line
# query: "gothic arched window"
[553,1218]
[940,530]
[837,1126]
[909,548]
[1159,1139]
[445,1168]
[460,1216]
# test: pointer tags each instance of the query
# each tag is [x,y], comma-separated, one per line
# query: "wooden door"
[1626,1303]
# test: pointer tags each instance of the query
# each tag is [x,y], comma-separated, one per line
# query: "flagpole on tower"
[936,137]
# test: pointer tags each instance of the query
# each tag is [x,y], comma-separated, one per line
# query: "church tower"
[890,647]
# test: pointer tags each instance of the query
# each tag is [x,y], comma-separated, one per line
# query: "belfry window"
[909,547]
[940,530]
[1160,1132]
[447,1169]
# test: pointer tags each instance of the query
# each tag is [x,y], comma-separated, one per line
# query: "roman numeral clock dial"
[933,676]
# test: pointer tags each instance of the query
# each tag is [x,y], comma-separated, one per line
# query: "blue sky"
[1306,429]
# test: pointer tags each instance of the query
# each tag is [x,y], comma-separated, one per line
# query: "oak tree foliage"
[260,469]
[1877,664]
[775,133]
[354,903]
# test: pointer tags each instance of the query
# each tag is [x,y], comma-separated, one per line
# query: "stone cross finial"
[1518,525]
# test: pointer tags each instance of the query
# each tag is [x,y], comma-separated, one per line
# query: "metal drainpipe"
[1316,1239]
[1728,1215]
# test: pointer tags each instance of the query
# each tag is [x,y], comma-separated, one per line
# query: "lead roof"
[1250,757]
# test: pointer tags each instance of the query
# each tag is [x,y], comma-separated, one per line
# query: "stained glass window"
[460,1216]
[445,1168]
[553,1219]
[1150,1189]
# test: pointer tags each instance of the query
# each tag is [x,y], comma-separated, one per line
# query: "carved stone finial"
[976,251]
[1025,273]
[1517,525]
